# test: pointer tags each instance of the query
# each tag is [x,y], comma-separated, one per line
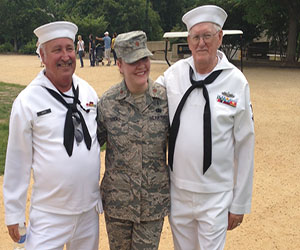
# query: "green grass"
[8,93]
[103,148]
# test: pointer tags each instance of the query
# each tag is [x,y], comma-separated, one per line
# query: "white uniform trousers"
[199,220]
[48,231]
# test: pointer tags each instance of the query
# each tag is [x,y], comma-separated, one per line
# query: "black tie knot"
[73,107]
[198,84]
[73,119]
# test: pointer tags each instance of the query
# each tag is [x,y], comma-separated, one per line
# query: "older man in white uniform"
[211,139]
[53,136]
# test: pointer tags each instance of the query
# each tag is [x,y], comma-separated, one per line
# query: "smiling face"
[204,40]
[59,57]
[136,74]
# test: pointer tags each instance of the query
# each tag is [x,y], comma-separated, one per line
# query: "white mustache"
[64,64]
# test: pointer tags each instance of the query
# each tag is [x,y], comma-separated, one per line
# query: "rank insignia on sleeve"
[227,98]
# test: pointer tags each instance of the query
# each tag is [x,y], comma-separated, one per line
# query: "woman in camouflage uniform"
[133,121]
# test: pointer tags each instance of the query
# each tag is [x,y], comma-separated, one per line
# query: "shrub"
[28,48]
[6,47]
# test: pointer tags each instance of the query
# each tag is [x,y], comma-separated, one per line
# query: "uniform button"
[121,91]
[154,90]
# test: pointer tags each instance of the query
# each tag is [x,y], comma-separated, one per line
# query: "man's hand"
[13,231]
[234,220]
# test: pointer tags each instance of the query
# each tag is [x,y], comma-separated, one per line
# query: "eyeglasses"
[77,132]
[206,37]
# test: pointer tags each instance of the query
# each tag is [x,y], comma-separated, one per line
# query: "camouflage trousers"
[128,235]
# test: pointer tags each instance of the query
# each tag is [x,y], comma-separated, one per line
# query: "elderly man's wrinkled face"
[59,57]
[204,40]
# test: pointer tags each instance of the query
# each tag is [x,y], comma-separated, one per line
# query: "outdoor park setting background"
[275,96]
[275,93]
[277,21]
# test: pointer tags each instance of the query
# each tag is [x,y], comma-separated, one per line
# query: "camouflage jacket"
[135,185]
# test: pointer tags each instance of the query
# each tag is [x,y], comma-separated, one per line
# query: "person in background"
[112,47]
[107,46]
[92,50]
[80,50]
[211,145]
[133,121]
[52,135]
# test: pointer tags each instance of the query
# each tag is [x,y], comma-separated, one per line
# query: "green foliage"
[277,18]
[8,92]
[18,18]
[3,143]
[89,25]
[29,47]
[103,148]
[6,47]
[170,12]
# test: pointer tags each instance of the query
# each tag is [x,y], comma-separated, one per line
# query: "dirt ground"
[275,93]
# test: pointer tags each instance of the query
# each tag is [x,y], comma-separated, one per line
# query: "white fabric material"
[38,50]
[203,14]
[232,134]
[62,184]
[80,45]
[52,231]
[199,220]
[55,30]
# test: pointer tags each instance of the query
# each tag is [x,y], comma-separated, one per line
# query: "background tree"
[169,11]
[116,16]
[18,23]
[132,15]
[280,19]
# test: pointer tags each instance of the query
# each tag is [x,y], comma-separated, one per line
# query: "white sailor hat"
[203,14]
[55,30]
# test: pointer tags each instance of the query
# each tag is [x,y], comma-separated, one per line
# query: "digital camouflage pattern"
[132,46]
[135,185]
[145,235]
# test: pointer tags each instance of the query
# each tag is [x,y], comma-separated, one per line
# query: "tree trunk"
[15,45]
[292,36]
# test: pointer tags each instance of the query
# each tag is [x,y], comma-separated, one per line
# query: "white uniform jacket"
[62,184]
[232,132]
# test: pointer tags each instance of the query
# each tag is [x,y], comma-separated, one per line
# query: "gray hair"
[215,26]
[42,47]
